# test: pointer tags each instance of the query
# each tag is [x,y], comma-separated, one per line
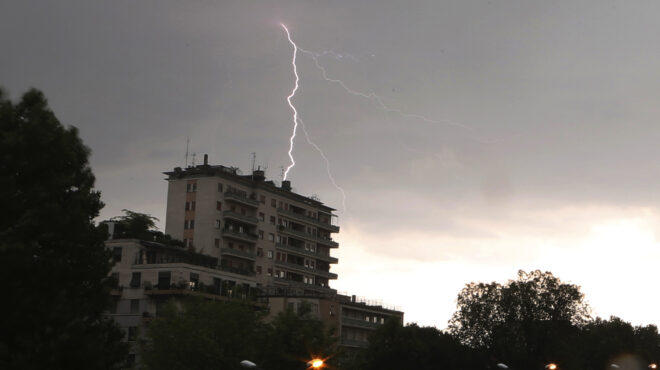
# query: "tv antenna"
[187,147]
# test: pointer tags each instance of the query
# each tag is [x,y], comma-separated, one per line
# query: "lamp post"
[315,363]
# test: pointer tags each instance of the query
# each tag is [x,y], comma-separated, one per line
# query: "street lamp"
[653,366]
[315,363]
[249,364]
[551,366]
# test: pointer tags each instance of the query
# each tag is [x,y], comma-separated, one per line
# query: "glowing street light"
[316,363]
[551,366]
[653,366]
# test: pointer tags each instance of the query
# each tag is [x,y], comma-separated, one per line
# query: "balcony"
[241,218]
[353,343]
[241,198]
[309,220]
[301,285]
[242,236]
[303,252]
[360,323]
[238,253]
[310,237]
[306,270]
[235,270]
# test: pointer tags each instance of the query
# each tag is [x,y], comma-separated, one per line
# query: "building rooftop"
[256,180]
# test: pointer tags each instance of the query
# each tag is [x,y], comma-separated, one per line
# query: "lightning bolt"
[327,166]
[288,99]
[374,97]
[297,120]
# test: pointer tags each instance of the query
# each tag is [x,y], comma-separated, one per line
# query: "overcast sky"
[539,147]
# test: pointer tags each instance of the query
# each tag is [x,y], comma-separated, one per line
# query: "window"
[115,278]
[279,239]
[312,264]
[192,206]
[272,220]
[192,224]
[260,252]
[116,254]
[194,280]
[136,280]
[132,333]
[218,205]
[261,216]
[185,242]
[271,237]
[185,224]
[135,306]
[281,205]
[220,187]
[261,234]
[262,199]
[270,272]
[281,274]
[217,224]
[312,247]
[191,187]
[277,256]
[187,206]
[216,242]
[164,280]
[273,203]
[269,254]
[258,270]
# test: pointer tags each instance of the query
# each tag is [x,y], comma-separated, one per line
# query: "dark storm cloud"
[560,98]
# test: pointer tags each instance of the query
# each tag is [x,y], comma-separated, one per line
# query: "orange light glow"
[551,366]
[653,366]
[316,363]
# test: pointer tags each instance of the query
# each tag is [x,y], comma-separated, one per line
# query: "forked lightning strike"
[297,120]
[288,99]
[373,96]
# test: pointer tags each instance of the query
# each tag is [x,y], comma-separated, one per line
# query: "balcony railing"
[306,270]
[239,217]
[358,323]
[325,241]
[300,284]
[236,270]
[309,220]
[239,253]
[241,198]
[290,248]
[250,238]
[353,343]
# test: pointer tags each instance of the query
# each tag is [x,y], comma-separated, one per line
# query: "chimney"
[286,185]
[206,159]
[258,175]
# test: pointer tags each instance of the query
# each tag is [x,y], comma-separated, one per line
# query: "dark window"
[194,280]
[192,224]
[218,205]
[273,203]
[135,305]
[217,242]
[217,285]
[220,187]
[164,279]
[132,333]
[136,280]
[261,216]
[187,206]
[116,254]
[192,206]
[272,220]
[262,199]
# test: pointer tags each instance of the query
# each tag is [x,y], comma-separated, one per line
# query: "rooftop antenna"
[254,159]
[187,147]
[282,174]
[193,158]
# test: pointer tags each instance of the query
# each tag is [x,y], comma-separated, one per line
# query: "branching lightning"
[297,120]
[288,99]
[374,97]
[327,165]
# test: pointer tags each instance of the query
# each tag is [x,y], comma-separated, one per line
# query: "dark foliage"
[52,260]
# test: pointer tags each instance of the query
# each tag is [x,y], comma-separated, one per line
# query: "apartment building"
[253,227]
[245,238]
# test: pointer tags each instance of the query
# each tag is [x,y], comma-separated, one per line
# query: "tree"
[139,226]
[53,264]
[200,334]
[296,337]
[527,322]
[394,346]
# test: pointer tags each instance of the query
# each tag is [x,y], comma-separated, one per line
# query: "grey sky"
[560,98]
